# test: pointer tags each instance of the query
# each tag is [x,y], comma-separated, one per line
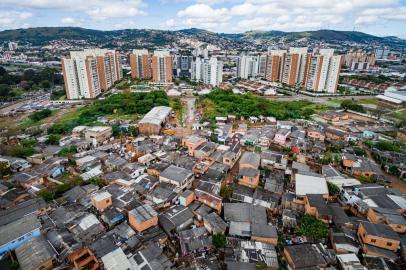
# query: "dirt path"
[189,118]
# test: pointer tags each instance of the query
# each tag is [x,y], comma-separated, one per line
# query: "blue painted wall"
[12,245]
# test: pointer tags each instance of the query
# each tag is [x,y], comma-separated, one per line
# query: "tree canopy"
[36,116]
[219,240]
[126,103]
[226,103]
[312,228]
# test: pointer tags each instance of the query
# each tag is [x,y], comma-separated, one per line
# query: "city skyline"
[381,18]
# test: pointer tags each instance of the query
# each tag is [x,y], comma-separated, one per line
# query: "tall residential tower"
[161,67]
[89,72]
[140,63]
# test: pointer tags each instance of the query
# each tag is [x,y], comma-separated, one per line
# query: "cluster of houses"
[162,202]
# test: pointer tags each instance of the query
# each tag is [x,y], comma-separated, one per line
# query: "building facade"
[182,65]
[161,67]
[316,72]
[89,72]
[247,66]
[140,63]
[207,71]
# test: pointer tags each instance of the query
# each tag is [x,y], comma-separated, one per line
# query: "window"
[389,244]
[373,240]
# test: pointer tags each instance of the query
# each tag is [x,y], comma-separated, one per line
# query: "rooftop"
[310,184]
[176,173]
[156,115]
[18,228]
[34,253]
[143,213]
[381,230]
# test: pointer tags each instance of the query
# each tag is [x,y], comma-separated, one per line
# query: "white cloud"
[201,16]
[125,25]
[14,19]
[72,21]
[96,9]
[114,10]
[374,15]
[281,14]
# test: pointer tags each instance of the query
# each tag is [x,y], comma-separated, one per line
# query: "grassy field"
[369,101]
[399,115]
[221,103]
[366,101]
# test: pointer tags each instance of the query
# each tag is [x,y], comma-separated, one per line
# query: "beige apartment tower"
[89,72]
[140,63]
[161,67]
[316,72]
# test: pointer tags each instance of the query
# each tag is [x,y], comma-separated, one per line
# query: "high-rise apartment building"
[274,62]
[323,71]
[89,72]
[261,65]
[161,67]
[317,72]
[247,66]
[12,46]
[182,65]
[140,63]
[358,60]
[207,71]
[294,66]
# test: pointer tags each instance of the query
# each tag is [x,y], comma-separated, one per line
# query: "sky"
[377,17]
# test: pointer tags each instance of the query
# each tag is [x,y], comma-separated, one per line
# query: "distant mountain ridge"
[42,35]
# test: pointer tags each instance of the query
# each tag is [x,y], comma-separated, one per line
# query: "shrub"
[219,240]
[36,116]
[312,228]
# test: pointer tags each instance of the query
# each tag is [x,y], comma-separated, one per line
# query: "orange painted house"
[101,200]
[143,217]
[192,143]
[377,239]
[387,216]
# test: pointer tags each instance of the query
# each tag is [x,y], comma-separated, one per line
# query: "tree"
[333,189]
[36,116]
[14,265]
[67,151]
[351,105]
[5,90]
[387,146]
[4,168]
[219,240]
[45,84]
[46,195]
[261,265]
[312,228]
[393,169]
[97,181]
[53,139]
[133,131]
[226,192]
[359,151]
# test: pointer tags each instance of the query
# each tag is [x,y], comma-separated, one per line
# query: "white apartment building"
[247,66]
[207,71]
[12,46]
[89,72]
[323,71]
[302,58]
